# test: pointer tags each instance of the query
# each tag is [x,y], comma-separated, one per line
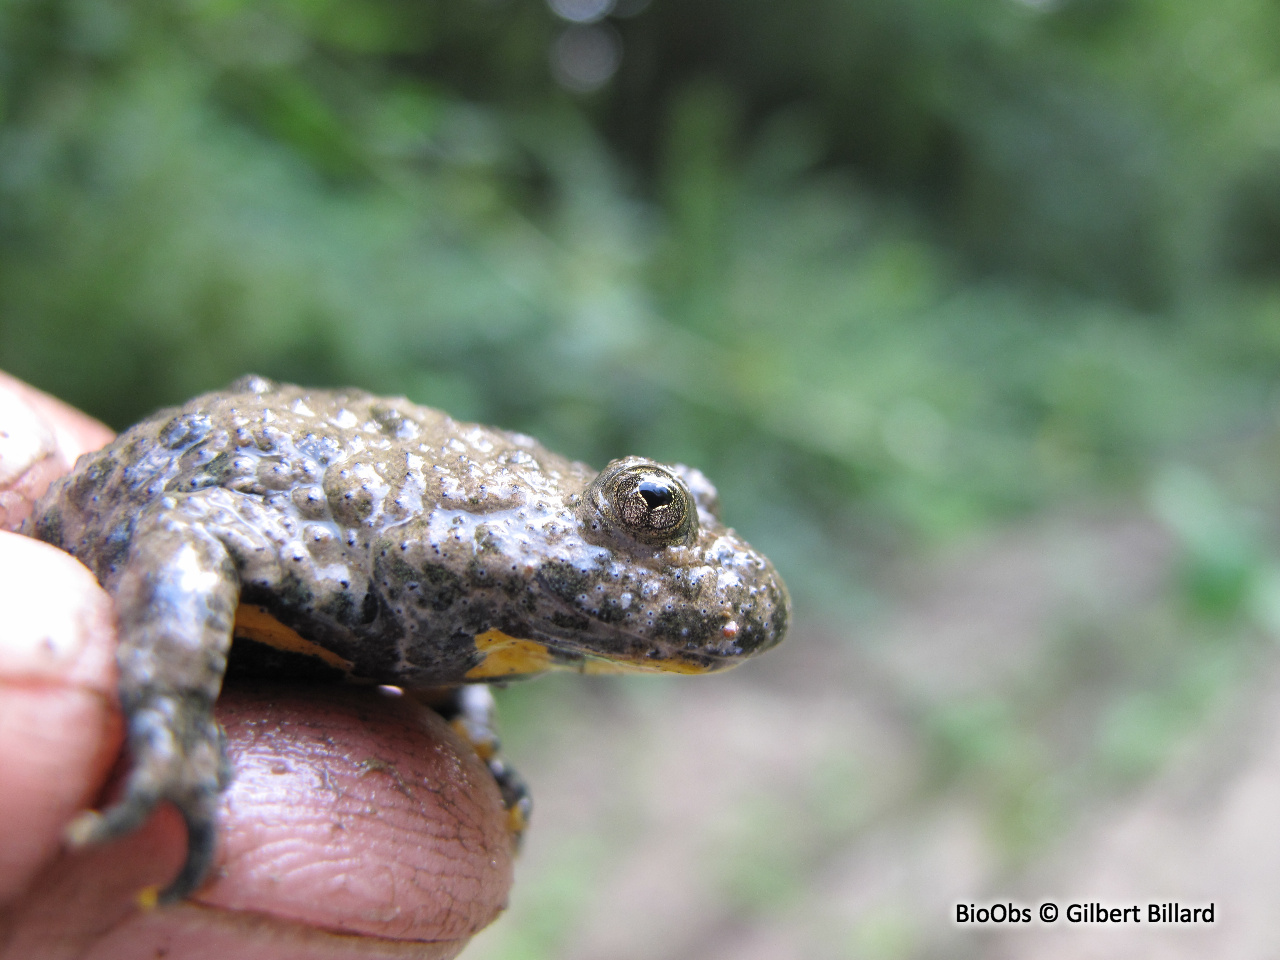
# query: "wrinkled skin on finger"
[357,825]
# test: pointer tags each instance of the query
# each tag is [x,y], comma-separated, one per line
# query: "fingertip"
[59,623]
[40,438]
[355,828]
[74,432]
[358,813]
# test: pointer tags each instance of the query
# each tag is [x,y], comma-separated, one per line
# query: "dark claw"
[202,842]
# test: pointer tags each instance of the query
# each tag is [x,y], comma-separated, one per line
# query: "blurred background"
[971,310]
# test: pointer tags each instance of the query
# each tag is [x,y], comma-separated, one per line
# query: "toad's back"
[320,499]
[275,440]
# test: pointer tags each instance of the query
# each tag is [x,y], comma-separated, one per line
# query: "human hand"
[357,825]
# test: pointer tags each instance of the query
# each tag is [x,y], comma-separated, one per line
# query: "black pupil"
[656,494]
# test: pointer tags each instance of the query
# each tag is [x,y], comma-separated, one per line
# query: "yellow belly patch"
[506,656]
[255,623]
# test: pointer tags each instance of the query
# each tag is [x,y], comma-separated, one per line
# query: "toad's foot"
[176,596]
[177,752]
[471,712]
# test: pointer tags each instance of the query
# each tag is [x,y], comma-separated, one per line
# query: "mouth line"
[574,655]
[594,664]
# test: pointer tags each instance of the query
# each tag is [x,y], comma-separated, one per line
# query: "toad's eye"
[644,501]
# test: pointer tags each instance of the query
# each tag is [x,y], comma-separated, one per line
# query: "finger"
[40,438]
[59,727]
[74,432]
[360,811]
[357,814]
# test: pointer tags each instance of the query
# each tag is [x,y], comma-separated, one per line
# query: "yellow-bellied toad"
[396,545]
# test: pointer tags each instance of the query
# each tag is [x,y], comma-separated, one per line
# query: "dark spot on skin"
[438,587]
[564,579]
[478,575]
[610,612]
[369,606]
[184,431]
[293,591]
[442,586]
[115,546]
[84,487]
[215,473]
[569,621]
[681,624]
[48,526]
[342,607]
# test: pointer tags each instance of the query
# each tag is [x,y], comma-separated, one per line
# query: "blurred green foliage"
[885,269]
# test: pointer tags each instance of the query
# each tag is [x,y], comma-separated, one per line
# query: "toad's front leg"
[176,597]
